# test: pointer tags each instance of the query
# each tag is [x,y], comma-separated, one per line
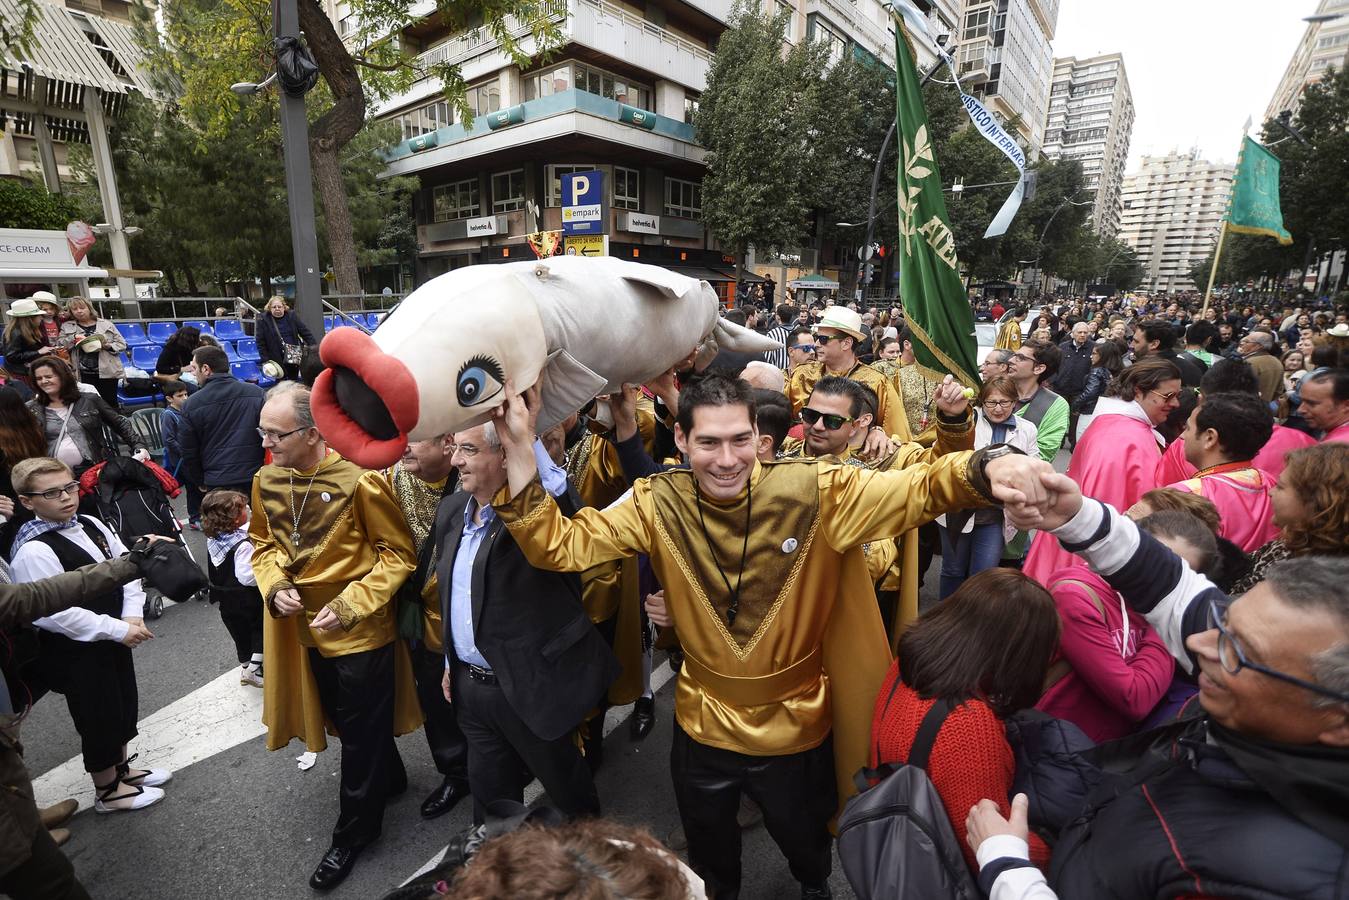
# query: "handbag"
[169,569]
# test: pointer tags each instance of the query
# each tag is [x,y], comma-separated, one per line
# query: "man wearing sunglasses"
[1248,796]
[836,339]
[800,350]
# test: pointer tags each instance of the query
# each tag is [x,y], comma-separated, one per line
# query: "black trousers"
[1070,439]
[244,623]
[106,387]
[448,746]
[502,751]
[46,875]
[796,793]
[357,694]
[98,679]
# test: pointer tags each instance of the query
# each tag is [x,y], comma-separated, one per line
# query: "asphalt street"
[240,822]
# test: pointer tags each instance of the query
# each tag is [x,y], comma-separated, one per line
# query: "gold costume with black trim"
[419,501]
[889,412]
[893,564]
[355,551]
[806,652]
[612,588]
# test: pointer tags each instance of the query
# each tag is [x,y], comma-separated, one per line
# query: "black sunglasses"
[831,421]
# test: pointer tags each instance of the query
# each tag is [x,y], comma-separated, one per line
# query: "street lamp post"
[299,178]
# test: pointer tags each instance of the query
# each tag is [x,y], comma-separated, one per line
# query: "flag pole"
[1217,258]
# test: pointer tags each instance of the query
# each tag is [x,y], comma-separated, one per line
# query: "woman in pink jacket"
[1112,668]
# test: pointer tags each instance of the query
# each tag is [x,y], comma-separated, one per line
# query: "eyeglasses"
[831,422]
[276,437]
[999,404]
[1167,397]
[1233,659]
[466,450]
[55,493]
[822,339]
[804,348]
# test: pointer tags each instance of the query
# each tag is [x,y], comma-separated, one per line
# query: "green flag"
[1254,206]
[935,305]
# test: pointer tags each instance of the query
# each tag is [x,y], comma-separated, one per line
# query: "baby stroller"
[133,500]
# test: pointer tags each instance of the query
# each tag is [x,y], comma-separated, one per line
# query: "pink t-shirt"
[1116,679]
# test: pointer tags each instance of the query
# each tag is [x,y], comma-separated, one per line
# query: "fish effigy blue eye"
[480,379]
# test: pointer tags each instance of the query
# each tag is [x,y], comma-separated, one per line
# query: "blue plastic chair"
[123,399]
[160,332]
[329,323]
[247,370]
[228,347]
[202,326]
[247,348]
[134,334]
[146,356]
[371,321]
[229,330]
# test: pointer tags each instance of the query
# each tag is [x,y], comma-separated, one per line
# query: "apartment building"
[1005,60]
[1091,119]
[1172,209]
[617,96]
[1324,45]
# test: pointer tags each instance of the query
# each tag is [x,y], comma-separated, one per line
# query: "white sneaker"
[251,677]
[148,777]
[144,796]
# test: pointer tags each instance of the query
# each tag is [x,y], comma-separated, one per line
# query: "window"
[545,84]
[555,174]
[614,87]
[424,119]
[976,24]
[690,109]
[683,199]
[485,98]
[627,188]
[508,191]
[818,31]
[458,200]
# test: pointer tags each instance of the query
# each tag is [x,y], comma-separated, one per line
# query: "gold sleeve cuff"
[522,509]
[345,612]
[972,478]
[282,585]
[960,427]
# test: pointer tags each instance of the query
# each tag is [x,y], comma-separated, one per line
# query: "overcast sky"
[1197,68]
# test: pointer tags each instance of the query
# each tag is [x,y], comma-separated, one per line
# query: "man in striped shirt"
[787,315]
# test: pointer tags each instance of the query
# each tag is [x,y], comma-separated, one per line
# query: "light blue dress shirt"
[461,577]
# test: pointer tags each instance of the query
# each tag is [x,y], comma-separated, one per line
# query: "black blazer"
[529,624]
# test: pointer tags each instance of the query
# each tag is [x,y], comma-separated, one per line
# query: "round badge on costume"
[789,545]
[327,497]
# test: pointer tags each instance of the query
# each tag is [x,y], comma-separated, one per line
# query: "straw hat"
[41,297]
[1339,331]
[91,344]
[22,309]
[840,318]
[273,369]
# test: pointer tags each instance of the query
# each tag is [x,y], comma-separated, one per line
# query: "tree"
[25,204]
[212,44]
[753,119]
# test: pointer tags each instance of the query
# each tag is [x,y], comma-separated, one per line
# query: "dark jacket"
[1098,379]
[219,434]
[20,604]
[92,412]
[553,666]
[1190,373]
[1200,810]
[20,354]
[1073,369]
[270,336]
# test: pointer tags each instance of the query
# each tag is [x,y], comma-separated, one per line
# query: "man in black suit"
[524,663]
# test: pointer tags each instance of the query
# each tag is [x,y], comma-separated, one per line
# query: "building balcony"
[857,19]
[575,116]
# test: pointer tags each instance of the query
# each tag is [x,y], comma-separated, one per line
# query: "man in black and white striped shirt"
[786,322]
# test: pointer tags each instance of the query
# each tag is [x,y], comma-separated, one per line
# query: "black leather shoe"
[333,869]
[443,798]
[816,893]
[643,717]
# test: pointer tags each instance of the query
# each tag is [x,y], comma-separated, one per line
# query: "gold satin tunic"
[807,652]
[355,551]
[419,500]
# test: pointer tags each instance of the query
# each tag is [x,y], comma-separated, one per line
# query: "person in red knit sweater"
[987,648]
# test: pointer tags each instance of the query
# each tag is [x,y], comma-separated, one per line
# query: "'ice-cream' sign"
[26,248]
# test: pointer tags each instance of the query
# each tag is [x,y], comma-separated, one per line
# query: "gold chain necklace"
[295,516]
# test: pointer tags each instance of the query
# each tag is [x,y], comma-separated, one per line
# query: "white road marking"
[215,717]
[616,716]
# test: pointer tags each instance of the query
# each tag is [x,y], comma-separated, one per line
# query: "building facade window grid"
[508,191]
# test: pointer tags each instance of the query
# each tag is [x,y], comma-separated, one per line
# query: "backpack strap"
[927,732]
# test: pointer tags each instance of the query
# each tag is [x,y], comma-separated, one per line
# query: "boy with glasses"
[86,651]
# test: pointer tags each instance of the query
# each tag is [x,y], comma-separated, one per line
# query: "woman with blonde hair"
[95,347]
[1311,508]
[24,341]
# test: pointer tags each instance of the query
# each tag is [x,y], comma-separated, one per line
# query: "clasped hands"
[1032,494]
[287,603]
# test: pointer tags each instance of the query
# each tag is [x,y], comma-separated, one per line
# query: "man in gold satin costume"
[836,336]
[419,481]
[769,596]
[330,549]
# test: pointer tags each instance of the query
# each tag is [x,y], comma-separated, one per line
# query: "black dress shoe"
[643,717]
[443,798]
[333,869]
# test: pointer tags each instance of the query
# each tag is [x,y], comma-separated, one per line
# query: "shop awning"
[747,275]
[74,273]
[701,273]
